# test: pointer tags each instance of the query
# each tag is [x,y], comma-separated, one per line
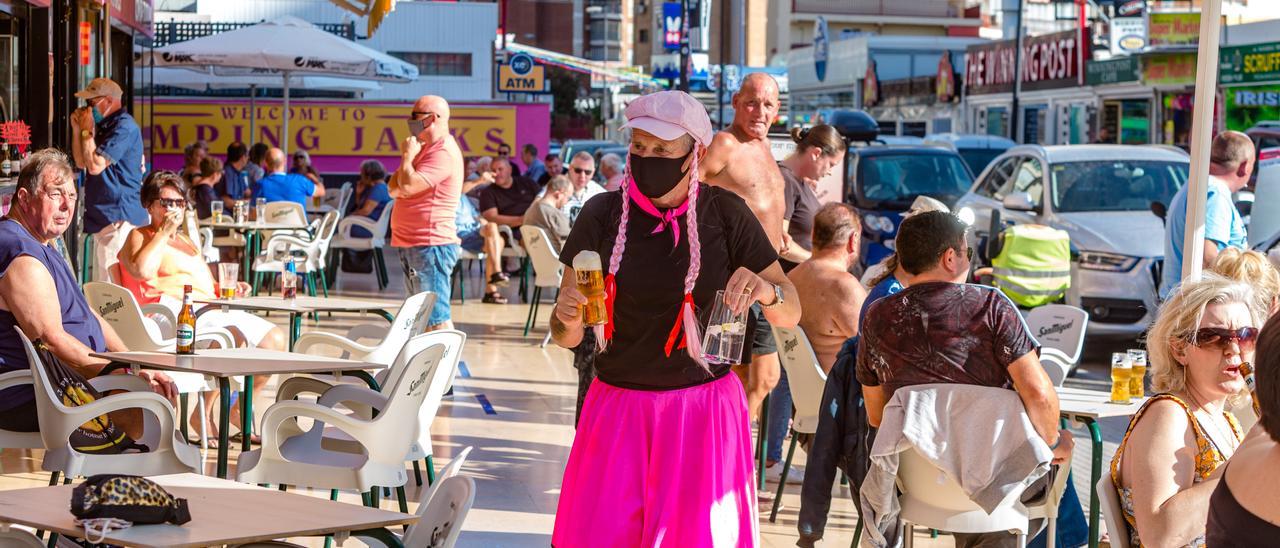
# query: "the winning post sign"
[521,75]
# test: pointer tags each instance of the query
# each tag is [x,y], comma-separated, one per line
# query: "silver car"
[1101,195]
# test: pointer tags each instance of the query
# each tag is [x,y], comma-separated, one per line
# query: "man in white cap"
[108,146]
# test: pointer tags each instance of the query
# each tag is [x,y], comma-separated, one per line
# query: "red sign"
[946,79]
[16,133]
[870,86]
[1048,61]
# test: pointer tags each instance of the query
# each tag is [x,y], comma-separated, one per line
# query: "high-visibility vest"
[1034,265]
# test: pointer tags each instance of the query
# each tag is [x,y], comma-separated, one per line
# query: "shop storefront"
[1124,104]
[1250,76]
[1054,105]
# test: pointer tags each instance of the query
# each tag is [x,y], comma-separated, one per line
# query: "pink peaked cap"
[668,115]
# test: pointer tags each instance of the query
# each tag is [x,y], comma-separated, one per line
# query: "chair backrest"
[932,499]
[49,406]
[287,212]
[1117,527]
[119,308]
[442,516]
[17,538]
[344,197]
[406,393]
[804,375]
[324,236]
[409,322]
[546,262]
[379,237]
[1060,327]
[453,341]
[450,470]
[1055,364]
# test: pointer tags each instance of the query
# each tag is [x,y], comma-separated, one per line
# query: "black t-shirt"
[651,282]
[510,201]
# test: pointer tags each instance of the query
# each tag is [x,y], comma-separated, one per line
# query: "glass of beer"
[726,331]
[228,279]
[1138,358]
[217,214]
[590,274]
[1121,371]
[261,211]
[241,211]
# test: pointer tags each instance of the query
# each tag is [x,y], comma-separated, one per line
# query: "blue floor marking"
[484,404]
[462,370]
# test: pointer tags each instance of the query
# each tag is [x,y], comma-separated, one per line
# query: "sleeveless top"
[1231,524]
[1207,459]
[77,318]
[178,267]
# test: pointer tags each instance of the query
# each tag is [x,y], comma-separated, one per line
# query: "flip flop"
[238,437]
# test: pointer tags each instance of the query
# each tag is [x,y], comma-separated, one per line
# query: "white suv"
[1101,195]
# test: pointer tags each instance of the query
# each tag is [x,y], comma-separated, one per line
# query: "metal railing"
[169,32]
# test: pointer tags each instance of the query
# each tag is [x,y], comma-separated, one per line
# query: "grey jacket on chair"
[979,436]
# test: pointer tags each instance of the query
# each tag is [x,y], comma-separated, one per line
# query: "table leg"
[248,253]
[386,315]
[1095,473]
[295,329]
[366,377]
[246,412]
[224,423]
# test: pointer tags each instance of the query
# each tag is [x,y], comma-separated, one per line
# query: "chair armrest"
[347,394]
[352,349]
[290,410]
[72,417]
[160,310]
[368,331]
[130,383]
[15,378]
[283,242]
[292,387]
[218,335]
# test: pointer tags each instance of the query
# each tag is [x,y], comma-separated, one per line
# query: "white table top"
[249,225]
[320,209]
[222,512]
[230,362]
[1078,402]
[302,304]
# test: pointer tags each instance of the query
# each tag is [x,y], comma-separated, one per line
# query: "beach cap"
[668,115]
[100,87]
[925,204]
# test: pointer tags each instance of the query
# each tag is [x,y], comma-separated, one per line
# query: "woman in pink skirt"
[662,455]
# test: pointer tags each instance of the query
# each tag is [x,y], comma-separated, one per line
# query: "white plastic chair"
[18,440]
[465,260]
[1109,496]
[515,249]
[931,499]
[442,516]
[415,535]
[1059,329]
[379,230]
[337,439]
[382,442]
[169,453]
[409,321]
[314,251]
[547,270]
[807,381]
[17,538]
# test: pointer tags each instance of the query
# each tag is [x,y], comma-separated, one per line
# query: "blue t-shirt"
[234,183]
[1222,225]
[77,318]
[115,194]
[378,193]
[284,187]
[536,170]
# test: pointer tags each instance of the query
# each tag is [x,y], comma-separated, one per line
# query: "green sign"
[1250,64]
[1113,71]
[1246,106]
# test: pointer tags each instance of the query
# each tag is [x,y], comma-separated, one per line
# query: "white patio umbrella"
[202,80]
[285,48]
[1201,138]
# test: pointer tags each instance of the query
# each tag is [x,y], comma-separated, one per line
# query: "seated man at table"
[280,186]
[830,296]
[158,260]
[545,212]
[39,294]
[942,330]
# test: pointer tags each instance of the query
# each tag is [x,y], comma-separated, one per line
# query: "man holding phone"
[108,146]
[426,188]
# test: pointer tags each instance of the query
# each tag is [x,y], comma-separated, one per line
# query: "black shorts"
[21,418]
[762,342]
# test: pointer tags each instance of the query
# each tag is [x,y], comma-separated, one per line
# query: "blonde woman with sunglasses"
[1169,462]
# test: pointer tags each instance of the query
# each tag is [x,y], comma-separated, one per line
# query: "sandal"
[500,279]
[494,298]
[238,437]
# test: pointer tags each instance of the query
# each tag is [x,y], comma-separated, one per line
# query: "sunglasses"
[968,252]
[171,202]
[1217,337]
[581,171]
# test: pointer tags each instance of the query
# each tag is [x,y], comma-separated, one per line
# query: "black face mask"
[656,176]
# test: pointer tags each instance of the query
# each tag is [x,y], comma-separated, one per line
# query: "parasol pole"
[253,113]
[1201,138]
[284,133]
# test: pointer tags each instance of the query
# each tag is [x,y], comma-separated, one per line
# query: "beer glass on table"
[262,210]
[228,279]
[590,274]
[726,331]
[241,211]
[1138,358]
[1121,371]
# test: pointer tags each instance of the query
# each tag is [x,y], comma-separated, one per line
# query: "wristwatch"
[777,297]
[85,134]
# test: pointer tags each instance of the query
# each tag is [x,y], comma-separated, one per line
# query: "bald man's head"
[759,80]
[433,111]
[756,105]
[275,160]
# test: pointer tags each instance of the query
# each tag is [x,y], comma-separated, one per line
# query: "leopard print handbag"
[129,498]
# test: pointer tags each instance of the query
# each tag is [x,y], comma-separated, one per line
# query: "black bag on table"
[99,436]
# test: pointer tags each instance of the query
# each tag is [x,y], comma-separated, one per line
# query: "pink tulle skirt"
[650,469]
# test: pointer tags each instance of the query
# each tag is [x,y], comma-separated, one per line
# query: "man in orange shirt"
[426,189]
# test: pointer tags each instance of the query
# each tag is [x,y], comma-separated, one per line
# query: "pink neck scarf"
[665,219]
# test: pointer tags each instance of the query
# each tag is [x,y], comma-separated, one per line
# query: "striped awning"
[597,69]
[374,10]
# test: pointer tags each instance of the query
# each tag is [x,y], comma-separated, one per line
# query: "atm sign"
[522,75]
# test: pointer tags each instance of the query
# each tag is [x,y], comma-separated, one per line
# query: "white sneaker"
[774,473]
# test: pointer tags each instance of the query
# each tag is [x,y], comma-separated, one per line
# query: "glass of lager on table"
[1121,371]
[590,274]
[228,277]
[1138,358]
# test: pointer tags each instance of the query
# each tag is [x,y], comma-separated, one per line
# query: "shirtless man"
[830,296]
[739,159]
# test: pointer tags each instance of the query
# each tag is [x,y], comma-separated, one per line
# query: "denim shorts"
[472,240]
[430,268]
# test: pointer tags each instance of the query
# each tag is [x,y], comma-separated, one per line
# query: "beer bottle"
[6,163]
[1246,370]
[186,337]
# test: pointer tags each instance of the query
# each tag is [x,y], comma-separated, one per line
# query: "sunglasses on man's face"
[581,171]
[1209,338]
[172,202]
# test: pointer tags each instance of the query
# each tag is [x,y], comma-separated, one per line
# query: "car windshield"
[898,179]
[979,158]
[1115,185]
